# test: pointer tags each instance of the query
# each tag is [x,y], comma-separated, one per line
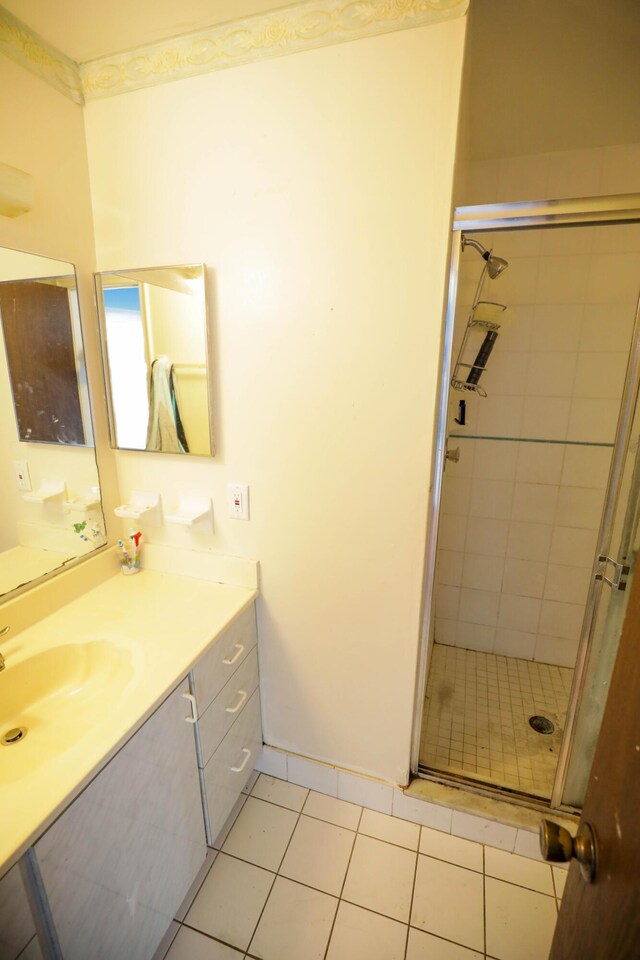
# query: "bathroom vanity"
[121,791]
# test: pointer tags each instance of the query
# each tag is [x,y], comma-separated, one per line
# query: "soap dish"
[190,511]
[48,490]
[141,506]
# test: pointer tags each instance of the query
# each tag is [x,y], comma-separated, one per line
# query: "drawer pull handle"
[240,650]
[243,697]
[247,755]
[194,709]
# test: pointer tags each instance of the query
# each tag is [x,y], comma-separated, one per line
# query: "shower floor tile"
[476,718]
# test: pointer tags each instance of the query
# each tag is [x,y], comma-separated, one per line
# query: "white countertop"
[165,623]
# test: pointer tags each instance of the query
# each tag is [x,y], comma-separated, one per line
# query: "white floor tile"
[361,935]
[230,901]
[560,880]
[391,829]
[261,833]
[279,791]
[444,846]
[318,855]
[448,902]
[190,945]
[520,923]
[340,812]
[421,811]
[231,819]
[519,870]
[380,878]
[296,923]
[424,946]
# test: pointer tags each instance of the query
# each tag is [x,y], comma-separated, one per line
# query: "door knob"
[558,846]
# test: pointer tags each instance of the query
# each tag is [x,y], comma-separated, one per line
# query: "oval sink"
[58,696]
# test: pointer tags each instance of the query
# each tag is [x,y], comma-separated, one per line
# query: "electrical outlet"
[23,480]
[238,494]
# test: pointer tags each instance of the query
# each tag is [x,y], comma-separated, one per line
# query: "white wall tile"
[600,374]
[528,845]
[613,278]
[561,619]
[570,584]
[557,327]
[621,169]
[515,334]
[500,416]
[607,326]
[421,811]
[495,460]
[447,601]
[514,643]
[540,462]
[563,279]
[566,240]
[449,569]
[522,178]
[574,173]
[367,793]
[452,532]
[593,421]
[506,372]
[479,606]
[534,502]
[446,631]
[573,547]
[456,493]
[475,636]
[546,418]
[316,776]
[586,466]
[518,284]
[273,763]
[519,613]
[556,650]
[487,535]
[579,507]
[551,374]
[617,238]
[482,572]
[491,498]
[483,831]
[529,541]
[524,578]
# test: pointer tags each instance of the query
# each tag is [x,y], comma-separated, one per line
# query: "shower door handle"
[621,571]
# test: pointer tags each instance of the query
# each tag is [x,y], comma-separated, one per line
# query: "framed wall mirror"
[156,355]
[50,508]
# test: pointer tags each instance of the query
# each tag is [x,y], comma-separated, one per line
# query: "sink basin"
[58,696]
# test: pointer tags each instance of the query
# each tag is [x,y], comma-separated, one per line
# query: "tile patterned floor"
[302,876]
[476,717]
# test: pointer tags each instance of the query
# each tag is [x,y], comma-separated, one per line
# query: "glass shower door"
[614,569]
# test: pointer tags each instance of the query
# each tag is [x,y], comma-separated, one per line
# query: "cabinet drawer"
[220,663]
[219,717]
[232,764]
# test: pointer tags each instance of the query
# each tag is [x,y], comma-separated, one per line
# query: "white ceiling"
[88,29]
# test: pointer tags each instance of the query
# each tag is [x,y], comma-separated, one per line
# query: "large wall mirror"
[155,347]
[50,509]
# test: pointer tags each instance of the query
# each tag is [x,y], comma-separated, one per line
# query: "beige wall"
[43,134]
[317,190]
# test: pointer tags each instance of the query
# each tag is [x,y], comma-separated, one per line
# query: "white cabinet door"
[16,924]
[117,864]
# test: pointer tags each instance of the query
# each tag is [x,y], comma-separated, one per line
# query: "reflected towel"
[165,431]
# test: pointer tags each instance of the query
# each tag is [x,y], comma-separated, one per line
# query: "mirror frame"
[106,371]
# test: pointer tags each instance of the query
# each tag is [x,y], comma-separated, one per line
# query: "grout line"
[413,893]
[344,880]
[210,936]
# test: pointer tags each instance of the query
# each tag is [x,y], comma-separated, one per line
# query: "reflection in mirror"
[50,510]
[155,347]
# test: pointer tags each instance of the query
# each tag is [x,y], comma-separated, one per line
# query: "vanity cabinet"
[119,861]
[227,693]
[17,928]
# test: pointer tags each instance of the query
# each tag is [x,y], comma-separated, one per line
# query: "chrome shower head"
[495,265]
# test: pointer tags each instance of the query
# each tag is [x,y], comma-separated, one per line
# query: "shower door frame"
[588,211]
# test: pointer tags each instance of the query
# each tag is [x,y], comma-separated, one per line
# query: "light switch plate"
[23,479]
[238,495]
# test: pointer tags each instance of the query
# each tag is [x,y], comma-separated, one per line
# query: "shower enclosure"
[536,489]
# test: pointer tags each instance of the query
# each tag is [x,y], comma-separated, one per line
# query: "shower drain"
[541,725]
[13,736]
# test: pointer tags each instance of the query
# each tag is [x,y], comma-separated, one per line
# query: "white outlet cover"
[238,498]
[23,478]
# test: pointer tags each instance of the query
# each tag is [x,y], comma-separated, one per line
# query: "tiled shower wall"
[522,506]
